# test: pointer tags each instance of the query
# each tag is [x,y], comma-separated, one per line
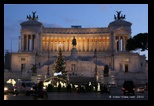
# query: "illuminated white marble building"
[39,45]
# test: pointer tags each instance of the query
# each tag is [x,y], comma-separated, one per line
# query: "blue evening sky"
[66,15]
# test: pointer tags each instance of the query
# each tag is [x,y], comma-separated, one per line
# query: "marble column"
[114,42]
[119,43]
[27,43]
[90,43]
[123,43]
[53,46]
[33,42]
[67,43]
[105,42]
[81,44]
[22,42]
[31,48]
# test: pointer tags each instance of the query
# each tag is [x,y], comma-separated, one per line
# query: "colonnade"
[27,42]
[121,41]
[84,44]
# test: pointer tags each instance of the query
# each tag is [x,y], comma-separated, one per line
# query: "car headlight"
[5,88]
[44,88]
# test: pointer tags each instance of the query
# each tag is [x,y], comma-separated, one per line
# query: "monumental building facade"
[94,47]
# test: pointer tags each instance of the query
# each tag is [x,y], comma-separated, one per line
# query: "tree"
[60,65]
[34,68]
[130,44]
[139,41]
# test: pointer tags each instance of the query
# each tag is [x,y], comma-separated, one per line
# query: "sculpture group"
[118,17]
[29,17]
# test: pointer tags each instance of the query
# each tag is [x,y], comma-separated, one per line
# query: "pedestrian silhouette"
[59,87]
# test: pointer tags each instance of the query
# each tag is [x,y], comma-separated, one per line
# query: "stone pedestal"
[74,54]
[34,79]
[106,80]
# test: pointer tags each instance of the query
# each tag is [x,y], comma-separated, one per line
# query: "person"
[59,87]
[96,87]
[39,88]
[49,88]
[40,85]
[68,87]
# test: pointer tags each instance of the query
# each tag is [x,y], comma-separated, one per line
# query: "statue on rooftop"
[33,15]
[119,16]
[74,43]
[29,17]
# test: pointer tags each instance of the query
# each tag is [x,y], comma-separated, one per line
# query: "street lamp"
[48,63]
[113,60]
[34,68]
[96,65]
[95,56]
[36,54]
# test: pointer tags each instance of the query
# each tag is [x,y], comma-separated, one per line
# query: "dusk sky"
[66,15]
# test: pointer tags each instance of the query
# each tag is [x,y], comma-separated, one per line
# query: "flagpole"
[48,62]
[95,55]
[96,65]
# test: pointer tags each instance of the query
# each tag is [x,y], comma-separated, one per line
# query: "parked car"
[8,88]
[128,87]
[80,89]
[146,87]
[112,85]
[25,87]
[140,89]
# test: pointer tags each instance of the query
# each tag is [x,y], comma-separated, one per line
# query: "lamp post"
[96,66]
[96,62]
[113,60]
[36,54]
[34,66]
[95,55]
[48,63]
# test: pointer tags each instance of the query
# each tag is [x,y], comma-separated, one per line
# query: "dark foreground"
[116,95]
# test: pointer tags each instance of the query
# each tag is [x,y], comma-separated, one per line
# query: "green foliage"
[34,68]
[60,65]
[130,44]
[139,41]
